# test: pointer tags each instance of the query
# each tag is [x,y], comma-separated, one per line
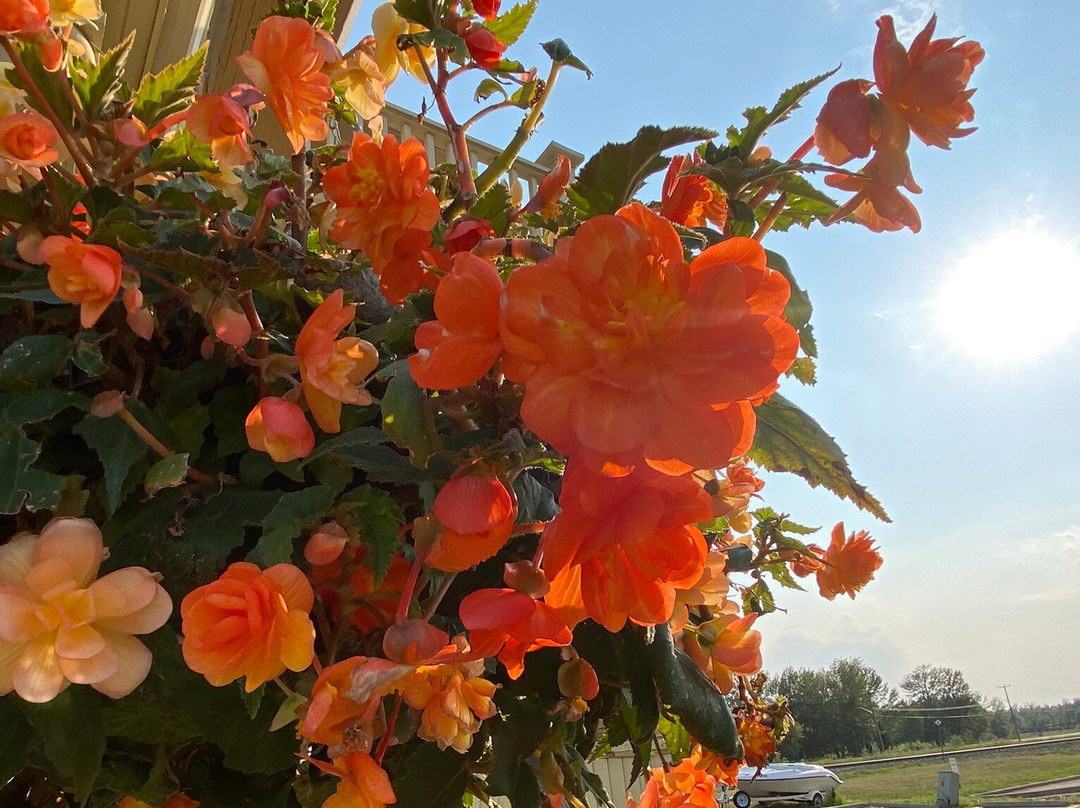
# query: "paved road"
[1060,787]
[954,753]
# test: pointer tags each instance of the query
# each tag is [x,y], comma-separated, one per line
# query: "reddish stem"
[771,217]
[772,185]
[460,145]
[384,744]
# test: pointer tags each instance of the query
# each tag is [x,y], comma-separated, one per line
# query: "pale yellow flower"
[66,12]
[386,26]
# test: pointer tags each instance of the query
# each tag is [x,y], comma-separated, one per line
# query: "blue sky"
[962,418]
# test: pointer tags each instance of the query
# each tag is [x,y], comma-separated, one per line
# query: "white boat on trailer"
[785,782]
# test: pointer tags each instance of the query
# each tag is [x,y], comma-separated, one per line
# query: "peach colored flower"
[87,274]
[249,623]
[363,784]
[633,538]
[279,428]
[225,125]
[473,516]
[229,322]
[332,371]
[848,564]
[285,63]
[710,590]
[386,26]
[385,208]
[690,199]
[461,346]
[327,542]
[733,646]
[66,12]
[453,700]
[927,84]
[630,356]
[23,16]
[361,81]
[731,493]
[28,141]
[60,624]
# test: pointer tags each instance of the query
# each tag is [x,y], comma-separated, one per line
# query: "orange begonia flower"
[473,515]
[285,63]
[279,428]
[803,565]
[551,188]
[23,16]
[484,47]
[709,590]
[878,203]
[332,713]
[691,200]
[687,784]
[927,84]
[510,624]
[849,563]
[848,125]
[385,208]
[87,274]
[332,371]
[386,26]
[630,355]
[28,140]
[60,624]
[249,623]
[734,647]
[633,538]
[465,233]
[725,770]
[758,742]
[363,784]
[488,9]
[461,346]
[225,125]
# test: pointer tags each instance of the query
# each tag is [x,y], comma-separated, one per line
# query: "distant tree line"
[847,710]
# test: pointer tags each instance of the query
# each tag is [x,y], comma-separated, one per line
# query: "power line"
[1012,712]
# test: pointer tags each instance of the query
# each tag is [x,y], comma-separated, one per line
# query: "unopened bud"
[326,544]
[106,404]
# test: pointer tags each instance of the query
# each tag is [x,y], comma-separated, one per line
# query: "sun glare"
[1014,296]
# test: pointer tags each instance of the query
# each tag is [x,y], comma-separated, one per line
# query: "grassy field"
[917,782]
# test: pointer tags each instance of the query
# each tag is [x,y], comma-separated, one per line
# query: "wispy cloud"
[910,16]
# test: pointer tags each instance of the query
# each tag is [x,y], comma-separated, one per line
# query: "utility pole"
[1012,712]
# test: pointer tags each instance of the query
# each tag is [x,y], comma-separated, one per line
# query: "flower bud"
[326,544]
[279,428]
[577,680]
[106,404]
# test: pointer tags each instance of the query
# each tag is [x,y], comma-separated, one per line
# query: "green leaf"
[560,53]
[375,516]
[118,448]
[789,440]
[15,208]
[524,727]
[487,88]
[182,150]
[614,174]
[74,736]
[509,27]
[19,483]
[34,359]
[286,713]
[688,692]
[799,309]
[758,120]
[293,513]
[536,503]
[46,82]
[169,472]
[739,558]
[431,778]
[345,444]
[494,206]
[421,11]
[14,740]
[96,85]
[87,355]
[407,420]
[171,90]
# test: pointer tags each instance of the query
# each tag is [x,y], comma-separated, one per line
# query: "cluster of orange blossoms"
[921,90]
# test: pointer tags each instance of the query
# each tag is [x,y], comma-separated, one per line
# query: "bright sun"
[1014,296]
